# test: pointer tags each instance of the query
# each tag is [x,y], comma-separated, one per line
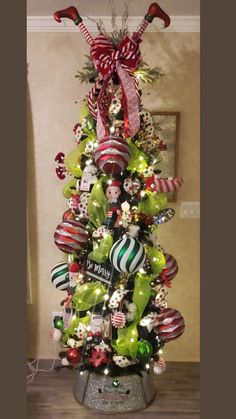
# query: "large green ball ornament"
[127,255]
[144,349]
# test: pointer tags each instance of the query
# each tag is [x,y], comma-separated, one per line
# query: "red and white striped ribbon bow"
[123,61]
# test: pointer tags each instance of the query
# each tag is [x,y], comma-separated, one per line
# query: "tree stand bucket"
[125,393]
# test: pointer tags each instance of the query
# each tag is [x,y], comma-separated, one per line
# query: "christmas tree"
[115,317]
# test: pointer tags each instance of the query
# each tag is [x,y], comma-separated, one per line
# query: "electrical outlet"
[189,210]
[56,313]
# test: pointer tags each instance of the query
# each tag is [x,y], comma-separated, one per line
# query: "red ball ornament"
[73,355]
[156,11]
[70,236]
[170,324]
[112,155]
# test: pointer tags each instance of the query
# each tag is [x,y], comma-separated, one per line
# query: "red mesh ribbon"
[122,61]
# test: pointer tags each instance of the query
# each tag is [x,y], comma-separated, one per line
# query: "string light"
[147,366]
[142,193]
[106,371]
[160,351]
[81,373]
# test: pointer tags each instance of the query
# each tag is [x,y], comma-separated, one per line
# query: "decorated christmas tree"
[115,274]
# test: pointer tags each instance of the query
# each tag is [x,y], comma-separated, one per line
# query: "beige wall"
[53,61]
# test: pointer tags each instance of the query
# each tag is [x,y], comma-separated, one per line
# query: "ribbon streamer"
[101,253]
[142,292]
[137,161]
[97,203]
[88,295]
[72,160]
[71,330]
[152,203]
[156,258]
[126,344]
[123,61]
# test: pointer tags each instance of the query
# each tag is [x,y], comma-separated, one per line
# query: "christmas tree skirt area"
[50,395]
[126,393]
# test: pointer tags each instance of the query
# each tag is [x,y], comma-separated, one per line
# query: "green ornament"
[115,383]
[58,322]
[144,349]
[90,227]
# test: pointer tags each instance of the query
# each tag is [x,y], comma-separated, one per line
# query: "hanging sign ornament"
[120,61]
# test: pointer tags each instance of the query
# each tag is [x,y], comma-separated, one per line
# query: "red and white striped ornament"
[170,270]
[159,367]
[70,236]
[112,155]
[118,319]
[55,335]
[169,184]
[170,324]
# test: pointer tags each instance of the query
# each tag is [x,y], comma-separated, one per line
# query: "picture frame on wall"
[167,125]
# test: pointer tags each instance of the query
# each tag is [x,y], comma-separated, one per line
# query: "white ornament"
[126,216]
[81,331]
[132,309]
[160,296]
[116,298]
[148,172]
[100,232]
[89,177]
[64,362]
[133,230]
[56,335]
[73,343]
[103,346]
[149,321]
[122,361]
[83,205]
[159,367]
[153,236]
